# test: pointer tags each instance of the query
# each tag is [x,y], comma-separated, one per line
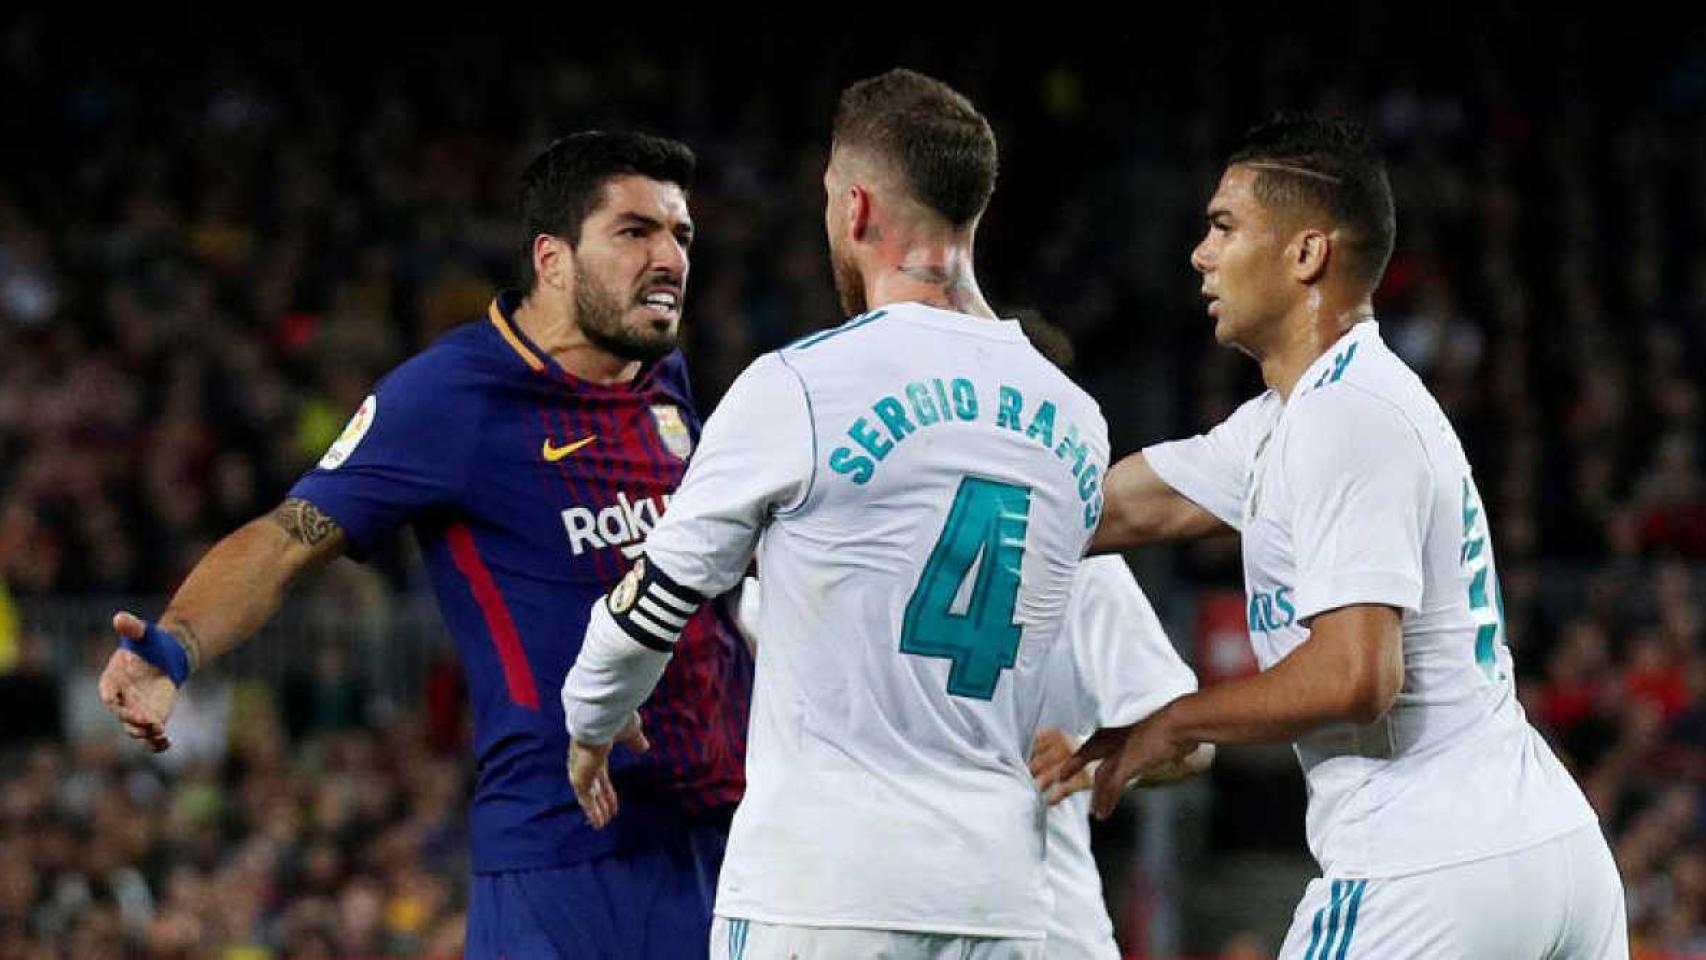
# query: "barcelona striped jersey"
[531,492]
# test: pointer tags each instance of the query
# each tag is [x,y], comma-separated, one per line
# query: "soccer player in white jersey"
[1443,824]
[918,486]
[1115,667]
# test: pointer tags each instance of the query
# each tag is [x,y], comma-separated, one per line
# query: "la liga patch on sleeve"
[347,441]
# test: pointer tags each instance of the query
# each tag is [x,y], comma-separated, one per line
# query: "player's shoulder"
[1361,378]
[1349,420]
[904,326]
[1370,414]
[815,341]
[765,386]
[1363,359]
[458,353]
[672,364]
[770,366]
[448,375]
[1077,405]
[670,372]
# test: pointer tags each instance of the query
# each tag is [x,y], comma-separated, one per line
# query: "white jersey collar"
[999,328]
[1335,357]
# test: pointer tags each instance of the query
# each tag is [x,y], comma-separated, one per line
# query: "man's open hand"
[1050,749]
[136,691]
[589,771]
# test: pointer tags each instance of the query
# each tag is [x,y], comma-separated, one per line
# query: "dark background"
[214,234]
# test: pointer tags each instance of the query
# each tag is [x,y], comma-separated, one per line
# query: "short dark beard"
[599,313]
[849,285]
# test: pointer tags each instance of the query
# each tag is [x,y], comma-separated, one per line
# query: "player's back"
[910,599]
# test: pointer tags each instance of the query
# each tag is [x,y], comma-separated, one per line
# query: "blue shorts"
[652,903]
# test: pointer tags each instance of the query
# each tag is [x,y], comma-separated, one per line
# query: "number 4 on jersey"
[962,608]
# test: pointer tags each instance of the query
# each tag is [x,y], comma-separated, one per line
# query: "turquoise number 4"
[962,608]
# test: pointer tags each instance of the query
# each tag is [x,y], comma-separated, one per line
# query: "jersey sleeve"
[1362,488]
[1212,469]
[755,458]
[407,449]
[1124,660]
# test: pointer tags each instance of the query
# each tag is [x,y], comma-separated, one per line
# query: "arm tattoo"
[304,522]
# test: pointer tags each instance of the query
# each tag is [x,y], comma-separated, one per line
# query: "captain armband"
[652,608]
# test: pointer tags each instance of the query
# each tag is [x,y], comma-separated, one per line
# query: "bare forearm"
[1349,671]
[1277,706]
[1140,508]
[241,582]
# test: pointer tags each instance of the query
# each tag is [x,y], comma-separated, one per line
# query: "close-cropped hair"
[564,184]
[1329,166]
[930,133]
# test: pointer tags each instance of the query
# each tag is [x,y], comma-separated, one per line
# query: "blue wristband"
[161,649]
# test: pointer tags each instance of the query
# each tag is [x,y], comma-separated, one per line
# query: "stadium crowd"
[213,248]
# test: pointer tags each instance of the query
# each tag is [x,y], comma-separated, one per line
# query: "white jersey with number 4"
[919,486]
[1357,491]
[1114,665]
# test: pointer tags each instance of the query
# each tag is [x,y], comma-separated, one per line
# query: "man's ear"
[554,262]
[1310,252]
[859,211]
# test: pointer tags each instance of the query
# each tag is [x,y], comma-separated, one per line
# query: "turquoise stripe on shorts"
[1351,918]
[737,939]
[1340,889]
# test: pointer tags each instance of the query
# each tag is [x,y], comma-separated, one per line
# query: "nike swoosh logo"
[553,454]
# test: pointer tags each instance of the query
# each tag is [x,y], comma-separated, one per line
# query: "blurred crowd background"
[214,237]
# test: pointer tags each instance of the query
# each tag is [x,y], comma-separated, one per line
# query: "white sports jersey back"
[1357,490]
[911,594]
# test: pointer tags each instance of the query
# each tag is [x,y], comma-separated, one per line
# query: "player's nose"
[1200,257]
[669,256]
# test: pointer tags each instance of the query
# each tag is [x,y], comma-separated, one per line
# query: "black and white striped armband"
[652,608]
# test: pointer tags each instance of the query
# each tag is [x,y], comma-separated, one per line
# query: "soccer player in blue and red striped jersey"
[531,451]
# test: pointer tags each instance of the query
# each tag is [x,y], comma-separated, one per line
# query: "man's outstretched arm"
[1349,671]
[229,595]
[1140,509]
[1187,488]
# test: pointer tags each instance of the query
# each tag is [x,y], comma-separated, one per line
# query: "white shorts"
[751,940]
[1559,900]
